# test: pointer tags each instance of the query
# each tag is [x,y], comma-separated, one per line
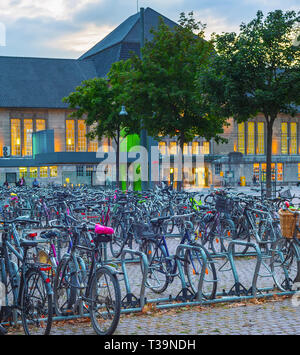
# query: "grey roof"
[40,82]
[43,82]
[128,36]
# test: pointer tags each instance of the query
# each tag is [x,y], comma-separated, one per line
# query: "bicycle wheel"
[118,240]
[279,267]
[36,304]
[158,267]
[65,292]
[193,266]
[291,253]
[105,301]
[168,225]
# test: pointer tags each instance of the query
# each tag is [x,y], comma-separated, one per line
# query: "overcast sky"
[68,28]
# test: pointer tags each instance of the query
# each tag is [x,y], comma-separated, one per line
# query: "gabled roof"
[43,82]
[40,82]
[129,32]
[115,37]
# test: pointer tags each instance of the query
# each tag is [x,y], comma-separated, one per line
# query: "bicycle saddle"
[99,229]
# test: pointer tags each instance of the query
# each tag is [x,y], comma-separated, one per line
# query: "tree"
[161,86]
[100,101]
[255,71]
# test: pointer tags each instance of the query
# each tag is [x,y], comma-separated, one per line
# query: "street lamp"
[123,111]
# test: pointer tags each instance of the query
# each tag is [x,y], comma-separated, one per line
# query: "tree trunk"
[269,158]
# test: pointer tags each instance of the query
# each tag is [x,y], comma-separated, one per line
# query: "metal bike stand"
[185,290]
[238,289]
[130,302]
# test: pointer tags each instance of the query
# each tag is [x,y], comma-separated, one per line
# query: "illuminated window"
[195,148]
[105,145]
[256,171]
[162,148]
[53,171]
[299,171]
[70,135]
[206,148]
[279,172]
[293,147]
[43,171]
[241,137]
[93,143]
[33,172]
[15,137]
[81,136]
[251,140]
[23,172]
[173,148]
[40,125]
[284,138]
[27,137]
[260,138]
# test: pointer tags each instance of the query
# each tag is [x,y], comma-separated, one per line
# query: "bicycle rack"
[130,300]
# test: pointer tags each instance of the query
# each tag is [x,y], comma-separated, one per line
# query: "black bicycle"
[88,289]
[28,291]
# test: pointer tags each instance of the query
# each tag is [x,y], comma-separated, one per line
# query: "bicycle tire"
[193,264]
[65,294]
[158,267]
[111,305]
[36,304]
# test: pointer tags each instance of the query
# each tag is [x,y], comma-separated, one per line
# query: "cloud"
[67,28]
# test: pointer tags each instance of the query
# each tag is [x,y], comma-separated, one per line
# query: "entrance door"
[11,178]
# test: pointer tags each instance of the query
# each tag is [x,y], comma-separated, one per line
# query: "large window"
[27,138]
[293,148]
[40,125]
[284,138]
[33,172]
[81,136]
[251,138]
[260,138]
[173,148]
[162,148]
[70,135]
[43,171]
[195,148]
[206,148]
[16,137]
[23,172]
[53,171]
[241,137]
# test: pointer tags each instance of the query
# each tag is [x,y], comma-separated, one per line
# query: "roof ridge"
[93,50]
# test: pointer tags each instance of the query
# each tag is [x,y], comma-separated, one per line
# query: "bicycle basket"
[288,222]
[224,204]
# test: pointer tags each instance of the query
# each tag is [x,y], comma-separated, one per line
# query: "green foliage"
[255,71]
[162,88]
[100,101]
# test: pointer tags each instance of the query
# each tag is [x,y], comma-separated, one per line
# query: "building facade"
[38,139]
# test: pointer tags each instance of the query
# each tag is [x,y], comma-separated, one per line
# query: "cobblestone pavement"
[276,317]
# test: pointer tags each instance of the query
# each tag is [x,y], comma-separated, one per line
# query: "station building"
[39,139]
